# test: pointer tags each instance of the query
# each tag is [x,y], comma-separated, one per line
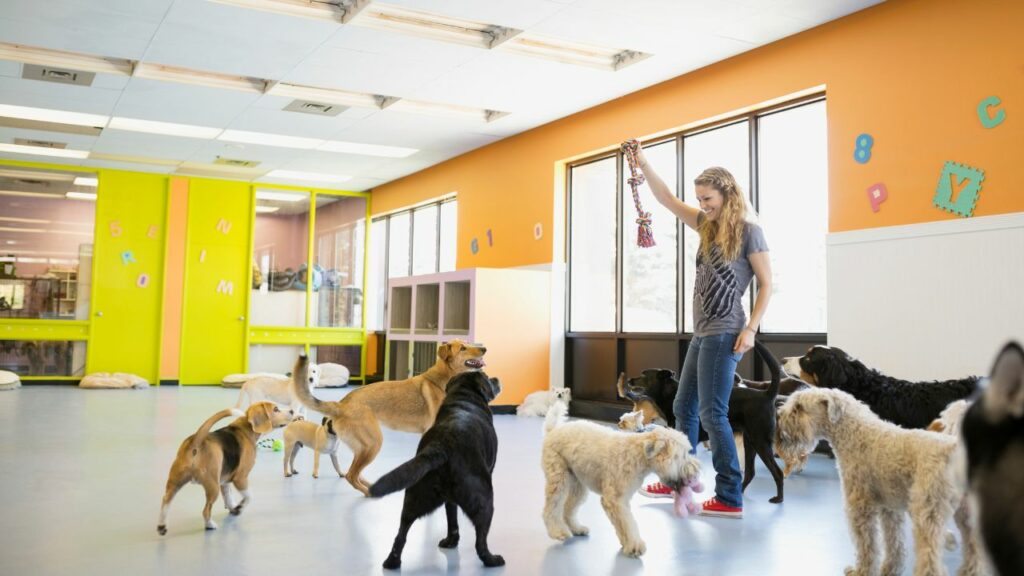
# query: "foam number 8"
[862,150]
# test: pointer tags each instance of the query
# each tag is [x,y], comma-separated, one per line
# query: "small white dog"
[580,455]
[276,389]
[538,403]
[321,438]
[885,472]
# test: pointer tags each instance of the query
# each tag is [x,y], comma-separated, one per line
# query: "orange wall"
[911,73]
[174,277]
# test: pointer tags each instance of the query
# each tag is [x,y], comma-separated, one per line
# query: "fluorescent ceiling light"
[81,196]
[58,116]
[313,176]
[133,159]
[336,11]
[86,181]
[327,95]
[61,59]
[163,128]
[270,139]
[434,26]
[281,196]
[267,209]
[41,151]
[435,109]
[573,52]
[367,149]
[28,194]
[23,220]
[36,175]
[25,230]
[199,77]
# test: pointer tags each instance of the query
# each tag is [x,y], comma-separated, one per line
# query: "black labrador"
[452,466]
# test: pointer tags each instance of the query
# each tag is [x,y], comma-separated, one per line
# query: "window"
[409,243]
[793,186]
[728,147]
[592,238]
[788,192]
[650,275]
[46,235]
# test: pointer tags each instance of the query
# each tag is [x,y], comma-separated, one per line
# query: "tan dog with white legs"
[320,437]
[405,405]
[226,456]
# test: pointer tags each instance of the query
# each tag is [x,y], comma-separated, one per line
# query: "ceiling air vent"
[236,163]
[40,143]
[59,75]
[318,108]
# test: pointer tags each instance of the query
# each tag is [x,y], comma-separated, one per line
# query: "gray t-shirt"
[719,286]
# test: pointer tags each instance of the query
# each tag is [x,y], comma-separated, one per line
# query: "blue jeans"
[705,384]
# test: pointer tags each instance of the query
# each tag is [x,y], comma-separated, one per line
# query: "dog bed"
[113,380]
[236,380]
[332,375]
[9,380]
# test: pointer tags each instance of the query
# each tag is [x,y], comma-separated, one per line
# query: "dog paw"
[775,500]
[450,541]
[211,525]
[393,563]
[161,530]
[236,510]
[853,571]
[560,534]
[580,530]
[635,549]
[316,475]
[493,560]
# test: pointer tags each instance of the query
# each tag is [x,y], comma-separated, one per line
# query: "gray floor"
[82,473]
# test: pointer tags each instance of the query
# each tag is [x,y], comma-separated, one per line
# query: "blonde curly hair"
[727,230]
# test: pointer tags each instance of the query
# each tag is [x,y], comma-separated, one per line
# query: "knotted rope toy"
[644,234]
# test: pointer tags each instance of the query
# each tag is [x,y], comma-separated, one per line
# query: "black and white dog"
[452,466]
[904,403]
[993,431]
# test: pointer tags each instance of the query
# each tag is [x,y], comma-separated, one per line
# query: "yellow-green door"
[125,327]
[217,278]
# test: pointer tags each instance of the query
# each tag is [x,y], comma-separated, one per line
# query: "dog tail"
[409,473]
[773,367]
[300,386]
[625,392]
[556,415]
[204,430]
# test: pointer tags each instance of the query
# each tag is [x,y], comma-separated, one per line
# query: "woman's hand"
[641,160]
[744,342]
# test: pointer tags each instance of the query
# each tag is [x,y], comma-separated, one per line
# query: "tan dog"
[404,405]
[320,437]
[214,459]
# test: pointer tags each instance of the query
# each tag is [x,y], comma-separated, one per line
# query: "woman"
[732,251]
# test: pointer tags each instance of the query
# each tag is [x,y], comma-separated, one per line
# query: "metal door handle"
[99,313]
[241,318]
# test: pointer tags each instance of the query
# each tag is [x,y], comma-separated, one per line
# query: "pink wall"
[286,235]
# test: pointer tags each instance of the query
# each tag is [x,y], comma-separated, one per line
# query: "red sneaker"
[713,507]
[656,490]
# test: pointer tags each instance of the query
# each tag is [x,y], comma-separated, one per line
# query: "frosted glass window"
[424,245]
[398,245]
[449,236]
[592,254]
[376,283]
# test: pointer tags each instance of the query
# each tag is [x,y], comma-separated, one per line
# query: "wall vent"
[317,108]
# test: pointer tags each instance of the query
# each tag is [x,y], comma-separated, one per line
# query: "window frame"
[682,308]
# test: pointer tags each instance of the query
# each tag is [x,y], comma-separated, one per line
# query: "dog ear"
[444,351]
[259,416]
[1005,394]
[833,409]
[666,374]
[653,447]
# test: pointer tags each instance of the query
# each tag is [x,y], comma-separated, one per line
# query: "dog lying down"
[537,403]
[579,456]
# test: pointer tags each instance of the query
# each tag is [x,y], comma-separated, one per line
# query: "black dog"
[751,412]
[452,466]
[993,430]
[904,403]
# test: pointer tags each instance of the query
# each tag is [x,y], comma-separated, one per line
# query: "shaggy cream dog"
[580,455]
[273,388]
[538,403]
[885,471]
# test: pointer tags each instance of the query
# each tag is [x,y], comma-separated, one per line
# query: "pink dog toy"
[683,499]
[644,235]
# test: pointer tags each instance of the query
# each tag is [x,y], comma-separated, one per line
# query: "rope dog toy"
[644,234]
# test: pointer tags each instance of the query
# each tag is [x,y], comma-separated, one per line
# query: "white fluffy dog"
[885,472]
[580,455]
[276,389]
[538,403]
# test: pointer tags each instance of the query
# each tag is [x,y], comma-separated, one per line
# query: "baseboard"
[503,409]
[45,382]
[597,410]
[169,382]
